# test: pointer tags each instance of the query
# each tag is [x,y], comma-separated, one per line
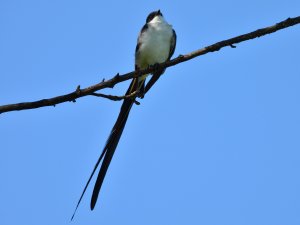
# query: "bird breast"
[155,47]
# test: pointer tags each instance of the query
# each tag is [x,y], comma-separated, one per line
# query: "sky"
[215,141]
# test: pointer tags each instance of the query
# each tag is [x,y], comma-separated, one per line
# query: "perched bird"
[156,44]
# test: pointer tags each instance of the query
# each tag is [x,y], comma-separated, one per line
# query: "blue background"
[216,141]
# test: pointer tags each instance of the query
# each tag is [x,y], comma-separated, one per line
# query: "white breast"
[155,44]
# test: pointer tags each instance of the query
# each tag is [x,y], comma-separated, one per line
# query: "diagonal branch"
[78,93]
[118,98]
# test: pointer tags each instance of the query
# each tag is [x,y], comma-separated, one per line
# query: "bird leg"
[155,67]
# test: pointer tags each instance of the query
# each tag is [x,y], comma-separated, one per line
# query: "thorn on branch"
[117,76]
[232,46]
[78,91]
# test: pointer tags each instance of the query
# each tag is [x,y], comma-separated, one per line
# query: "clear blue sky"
[215,142]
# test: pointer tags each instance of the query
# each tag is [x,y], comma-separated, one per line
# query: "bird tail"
[111,145]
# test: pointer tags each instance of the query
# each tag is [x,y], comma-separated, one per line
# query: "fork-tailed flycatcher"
[156,44]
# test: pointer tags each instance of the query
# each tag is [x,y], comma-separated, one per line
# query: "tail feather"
[89,180]
[110,147]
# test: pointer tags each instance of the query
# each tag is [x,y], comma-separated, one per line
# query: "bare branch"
[117,98]
[78,93]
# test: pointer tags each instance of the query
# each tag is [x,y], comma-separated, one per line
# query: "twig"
[117,98]
[78,93]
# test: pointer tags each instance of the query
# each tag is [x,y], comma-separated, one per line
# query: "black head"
[152,15]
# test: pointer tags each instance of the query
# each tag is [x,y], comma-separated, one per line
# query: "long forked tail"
[109,148]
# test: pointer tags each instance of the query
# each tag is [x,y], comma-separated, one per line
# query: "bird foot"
[155,66]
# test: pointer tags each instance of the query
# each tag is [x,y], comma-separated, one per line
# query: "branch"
[78,93]
[118,98]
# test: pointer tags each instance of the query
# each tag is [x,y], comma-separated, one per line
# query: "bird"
[155,44]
